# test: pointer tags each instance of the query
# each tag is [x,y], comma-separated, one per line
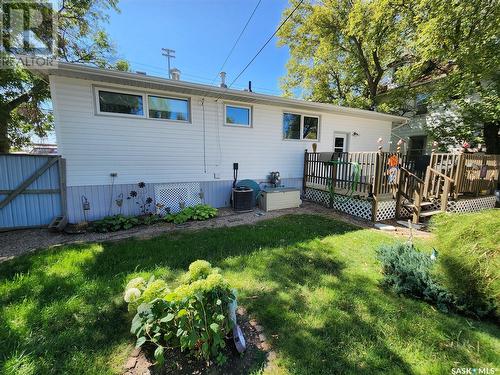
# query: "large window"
[114,102]
[168,108]
[300,127]
[238,115]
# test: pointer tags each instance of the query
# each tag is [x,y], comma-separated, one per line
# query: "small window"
[291,126]
[310,130]
[168,108]
[239,116]
[300,127]
[114,102]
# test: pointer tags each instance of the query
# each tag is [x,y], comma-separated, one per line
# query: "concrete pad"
[385,227]
[405,224]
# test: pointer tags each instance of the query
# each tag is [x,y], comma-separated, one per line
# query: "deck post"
[444,196]
[304,179]
[374,208]
[398,193]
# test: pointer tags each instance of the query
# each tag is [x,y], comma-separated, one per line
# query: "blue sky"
[202,33]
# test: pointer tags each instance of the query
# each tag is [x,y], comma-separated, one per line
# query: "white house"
[116,129]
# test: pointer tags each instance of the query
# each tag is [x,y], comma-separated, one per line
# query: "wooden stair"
[418,194]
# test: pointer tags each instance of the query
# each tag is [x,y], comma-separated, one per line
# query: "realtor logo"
[28,33]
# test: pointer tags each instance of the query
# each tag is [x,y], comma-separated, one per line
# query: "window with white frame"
[300,127]
[120,103]
[237,115]
[168,108]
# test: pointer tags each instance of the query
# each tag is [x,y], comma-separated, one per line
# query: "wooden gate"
[32,190]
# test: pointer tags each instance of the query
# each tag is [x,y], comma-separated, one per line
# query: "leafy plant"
[408,271]
[151,219]
[198,212]
[114,223]
[192,317]
[469,258]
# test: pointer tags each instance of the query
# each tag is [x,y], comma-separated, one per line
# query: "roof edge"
[91,73]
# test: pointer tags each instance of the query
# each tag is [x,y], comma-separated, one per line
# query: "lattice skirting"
[471,204]
[459,206]
[174,197]
[357,207]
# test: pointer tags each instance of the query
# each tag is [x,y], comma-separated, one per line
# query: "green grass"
[313,283]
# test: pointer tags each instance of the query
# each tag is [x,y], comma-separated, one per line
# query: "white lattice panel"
[177,196]
[353,206]
[386,210]
[318,196]
[472,205]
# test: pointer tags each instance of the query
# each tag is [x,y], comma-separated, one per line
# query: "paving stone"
[259,328]
[385,227]
[130,363]
[262,337]
[135,352]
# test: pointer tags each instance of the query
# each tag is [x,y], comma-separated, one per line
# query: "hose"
[356,179]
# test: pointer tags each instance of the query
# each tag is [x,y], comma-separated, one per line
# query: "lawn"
[312,282]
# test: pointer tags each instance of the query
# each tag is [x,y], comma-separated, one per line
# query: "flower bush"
[192,317]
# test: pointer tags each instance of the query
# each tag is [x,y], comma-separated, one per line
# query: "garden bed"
[257,356]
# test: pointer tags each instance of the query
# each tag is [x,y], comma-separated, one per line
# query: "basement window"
[300,127]
[168,108]
[236,115]
[120,103]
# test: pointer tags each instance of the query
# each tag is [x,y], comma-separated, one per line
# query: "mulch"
[258,355]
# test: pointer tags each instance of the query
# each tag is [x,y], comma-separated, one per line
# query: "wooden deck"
[379,176]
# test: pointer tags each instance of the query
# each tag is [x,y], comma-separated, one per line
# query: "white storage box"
[279,198]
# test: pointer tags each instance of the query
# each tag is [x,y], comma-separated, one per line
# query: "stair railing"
[410,187]
[438,185]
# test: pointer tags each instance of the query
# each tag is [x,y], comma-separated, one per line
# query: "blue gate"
[32,190]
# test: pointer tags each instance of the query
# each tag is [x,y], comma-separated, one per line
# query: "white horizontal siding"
[157,151]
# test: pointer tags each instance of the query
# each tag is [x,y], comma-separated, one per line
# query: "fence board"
[40,202]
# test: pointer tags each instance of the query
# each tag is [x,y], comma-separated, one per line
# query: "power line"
[266,43]
[237,39]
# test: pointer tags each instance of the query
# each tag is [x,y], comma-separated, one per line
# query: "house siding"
[157,151]
[161,151]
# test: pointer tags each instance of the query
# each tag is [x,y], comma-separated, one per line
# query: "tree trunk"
[4,138]
[491,137]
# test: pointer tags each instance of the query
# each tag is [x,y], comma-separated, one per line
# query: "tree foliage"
[348,52]
[341,50]
[80,39]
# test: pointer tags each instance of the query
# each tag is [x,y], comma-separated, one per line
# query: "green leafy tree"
[341,50]
[80,39]
[463,35]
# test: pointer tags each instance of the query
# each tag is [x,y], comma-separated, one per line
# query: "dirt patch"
[258,355]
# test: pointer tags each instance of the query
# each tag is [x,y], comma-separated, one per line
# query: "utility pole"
[169,54]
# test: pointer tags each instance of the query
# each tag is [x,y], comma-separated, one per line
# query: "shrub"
[193,317]
[114,223]
[408,271]
[198,212]
[469,259]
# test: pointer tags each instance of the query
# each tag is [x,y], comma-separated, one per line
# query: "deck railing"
[326,170]
[378,177]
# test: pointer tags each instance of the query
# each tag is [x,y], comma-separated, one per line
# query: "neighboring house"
[43,149]
[417,141]
[115,129]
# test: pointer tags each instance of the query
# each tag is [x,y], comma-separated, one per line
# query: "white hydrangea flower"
[131,295]
[138,283]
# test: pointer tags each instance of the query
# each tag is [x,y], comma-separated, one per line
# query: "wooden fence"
[32,190]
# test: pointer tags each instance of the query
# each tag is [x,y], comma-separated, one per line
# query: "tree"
[80,39]
[465,36]
[341,50]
